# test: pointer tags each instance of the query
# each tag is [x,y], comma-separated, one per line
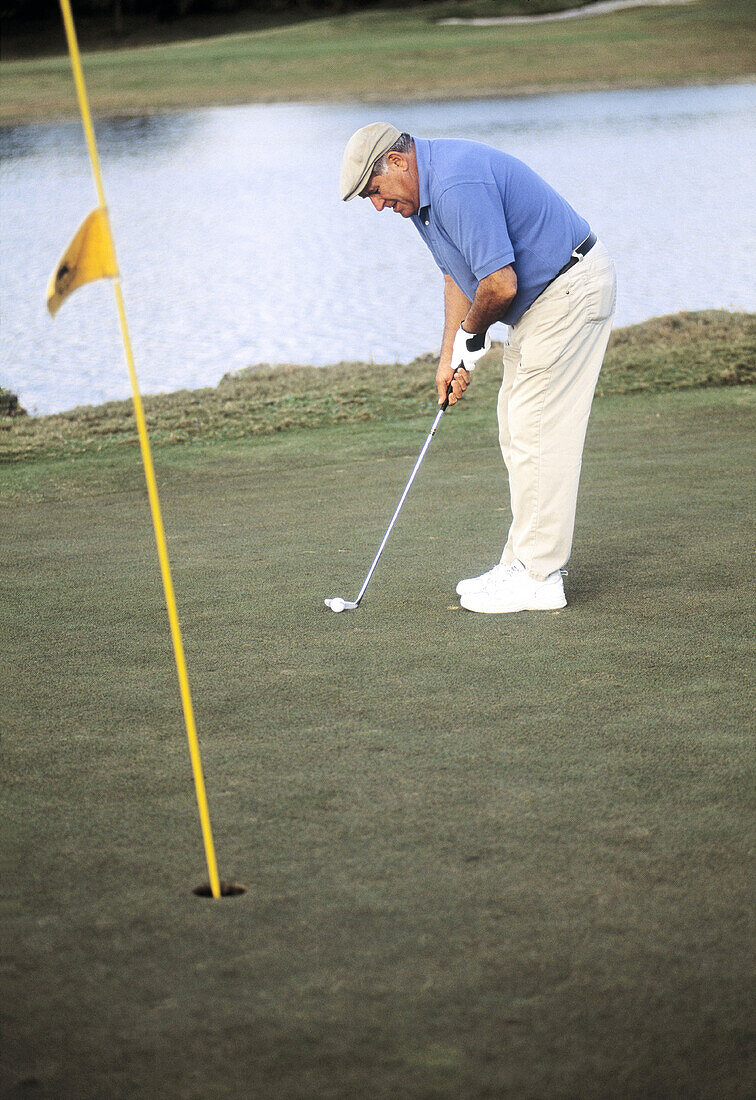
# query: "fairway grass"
[379,56]
[486,856]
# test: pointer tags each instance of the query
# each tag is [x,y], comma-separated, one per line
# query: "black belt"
[577,255]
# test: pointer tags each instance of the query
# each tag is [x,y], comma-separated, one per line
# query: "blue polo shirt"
[481,209]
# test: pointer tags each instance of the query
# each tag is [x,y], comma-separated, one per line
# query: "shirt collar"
[422,153]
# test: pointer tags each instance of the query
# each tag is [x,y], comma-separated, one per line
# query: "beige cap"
[363,149]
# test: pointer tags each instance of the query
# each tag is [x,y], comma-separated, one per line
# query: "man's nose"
[378,202]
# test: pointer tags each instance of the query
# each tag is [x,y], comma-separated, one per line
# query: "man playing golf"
[510,249]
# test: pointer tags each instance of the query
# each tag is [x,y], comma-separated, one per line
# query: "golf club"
[336,603]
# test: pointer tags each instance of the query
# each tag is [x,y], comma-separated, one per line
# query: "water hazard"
[235,249]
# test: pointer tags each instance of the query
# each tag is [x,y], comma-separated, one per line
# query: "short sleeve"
[472,216]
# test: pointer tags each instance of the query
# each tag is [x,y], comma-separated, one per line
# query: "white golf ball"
[337,604]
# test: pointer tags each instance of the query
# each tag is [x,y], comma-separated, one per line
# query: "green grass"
[486,856]
[681,351]
[395,54]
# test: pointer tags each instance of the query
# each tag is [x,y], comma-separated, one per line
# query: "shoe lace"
[501,572]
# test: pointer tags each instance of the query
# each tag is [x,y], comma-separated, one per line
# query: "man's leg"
[511,363]
[561,342]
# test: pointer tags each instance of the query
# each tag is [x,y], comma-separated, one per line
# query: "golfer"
[510,249]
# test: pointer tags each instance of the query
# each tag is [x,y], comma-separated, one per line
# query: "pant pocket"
[601,297]
[510,357]
[542,331]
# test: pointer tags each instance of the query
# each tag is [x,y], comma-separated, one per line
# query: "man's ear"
[398,160]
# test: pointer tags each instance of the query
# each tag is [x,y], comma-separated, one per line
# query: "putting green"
[485,856]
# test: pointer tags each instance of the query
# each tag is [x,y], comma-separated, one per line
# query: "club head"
[337,604]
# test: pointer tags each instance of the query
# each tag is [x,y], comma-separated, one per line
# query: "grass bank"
[485,856]
[397,54]
[681,351]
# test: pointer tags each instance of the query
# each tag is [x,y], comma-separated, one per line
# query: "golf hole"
[227,889]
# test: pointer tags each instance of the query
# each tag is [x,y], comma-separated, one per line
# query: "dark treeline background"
[27,10]
[33,27]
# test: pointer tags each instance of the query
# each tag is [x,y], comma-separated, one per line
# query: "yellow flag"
[89,256]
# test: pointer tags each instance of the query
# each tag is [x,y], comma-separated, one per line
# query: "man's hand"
[444,375]
[464,360]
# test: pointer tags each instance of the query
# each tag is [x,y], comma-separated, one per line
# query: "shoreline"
[681,351]
[525,91]
[586,11]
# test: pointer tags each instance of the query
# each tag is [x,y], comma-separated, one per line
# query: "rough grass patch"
[681,351]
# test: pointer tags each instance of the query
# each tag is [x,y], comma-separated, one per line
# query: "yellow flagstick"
[144,443]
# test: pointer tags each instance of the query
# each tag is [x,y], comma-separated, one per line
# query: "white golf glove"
[468,348]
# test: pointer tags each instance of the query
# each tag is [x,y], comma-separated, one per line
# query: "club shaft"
[420,458]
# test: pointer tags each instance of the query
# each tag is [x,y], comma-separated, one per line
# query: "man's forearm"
[456,307]
[492,299]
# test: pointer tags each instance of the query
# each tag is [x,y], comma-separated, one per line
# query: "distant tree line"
[28,11]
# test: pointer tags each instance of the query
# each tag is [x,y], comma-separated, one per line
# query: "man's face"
[397,190]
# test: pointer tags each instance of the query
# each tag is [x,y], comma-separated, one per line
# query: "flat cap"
[363,149]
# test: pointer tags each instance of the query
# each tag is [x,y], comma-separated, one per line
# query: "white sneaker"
[509,588]
[477,584]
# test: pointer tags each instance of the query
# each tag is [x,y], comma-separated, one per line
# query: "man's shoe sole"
[554,606]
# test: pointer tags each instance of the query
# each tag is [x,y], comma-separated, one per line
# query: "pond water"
[235,249]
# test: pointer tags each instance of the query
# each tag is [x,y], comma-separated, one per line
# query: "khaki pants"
[551,366]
